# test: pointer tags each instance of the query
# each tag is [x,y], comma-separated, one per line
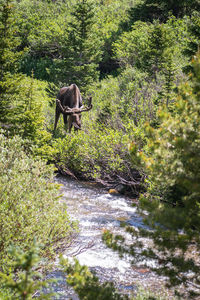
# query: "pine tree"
[194,29]
[82,49]
[8,41]
[8,57]
[150,10]
[160,48]
[160,61]
[20,110]
[172,199]
[24,281]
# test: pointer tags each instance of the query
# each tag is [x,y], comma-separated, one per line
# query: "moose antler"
[60,105]
[70,111]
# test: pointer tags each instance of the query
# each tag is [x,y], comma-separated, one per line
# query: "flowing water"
[96,210]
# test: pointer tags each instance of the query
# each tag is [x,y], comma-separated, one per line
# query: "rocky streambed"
[97,210]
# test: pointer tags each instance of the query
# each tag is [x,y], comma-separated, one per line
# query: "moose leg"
[57,115]
[70,123]
[65,121]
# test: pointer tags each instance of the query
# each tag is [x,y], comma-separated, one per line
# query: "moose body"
[69,103]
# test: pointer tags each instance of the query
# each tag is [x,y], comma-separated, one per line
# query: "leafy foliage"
[9,40]
[194,29]
[173,195]
[8,55]
[25,281]
[97,154]
[150,10]
[86,284]
[30,201]
[85,42]
[26,110]
[81,51]
[42,28]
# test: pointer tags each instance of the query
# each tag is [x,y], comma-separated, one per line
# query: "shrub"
[173,196]
[25,281]
[87,285]
[95,154]
[29,203]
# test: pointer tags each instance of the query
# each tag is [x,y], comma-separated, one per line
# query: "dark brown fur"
[69,97]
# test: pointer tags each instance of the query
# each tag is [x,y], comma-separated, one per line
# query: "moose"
[69,103]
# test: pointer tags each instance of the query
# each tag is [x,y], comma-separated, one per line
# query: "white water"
[96,210]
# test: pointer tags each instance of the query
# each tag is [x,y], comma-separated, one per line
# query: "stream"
[96,210]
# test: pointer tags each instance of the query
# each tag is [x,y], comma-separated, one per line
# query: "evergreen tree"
[150,10]
[81,51]
[160,42]
[194,30]
[172,199]
[8,41]
[160,60]
[24,281]
[8,55]
[41,27]
[21,111]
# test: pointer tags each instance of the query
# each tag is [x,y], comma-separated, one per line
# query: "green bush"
[29,202]
[155,49]
[27,110]
[127,99]
[173,196]
[23,281]
[95,154]
[87,285]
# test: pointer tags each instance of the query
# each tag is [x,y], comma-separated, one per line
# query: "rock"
[121,188]
[113,191]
